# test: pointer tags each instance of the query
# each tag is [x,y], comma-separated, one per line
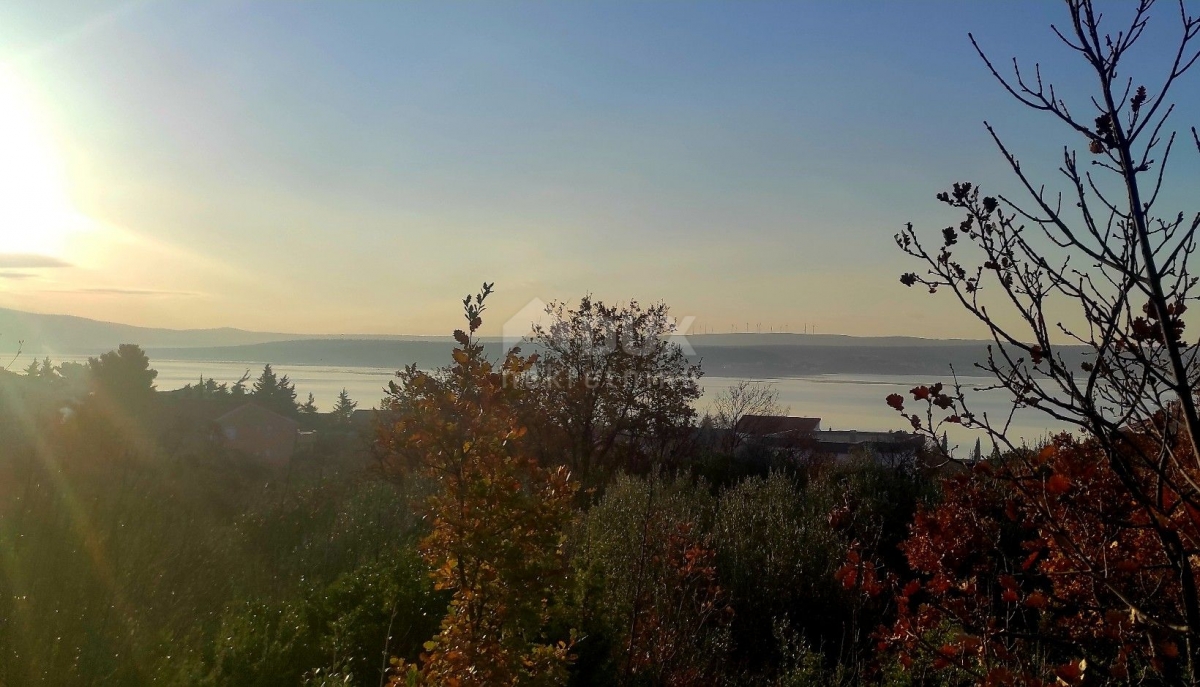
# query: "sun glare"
[35,211]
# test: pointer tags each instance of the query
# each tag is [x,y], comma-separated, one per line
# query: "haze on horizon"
[357,168]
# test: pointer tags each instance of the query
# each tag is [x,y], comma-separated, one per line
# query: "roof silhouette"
[766,425]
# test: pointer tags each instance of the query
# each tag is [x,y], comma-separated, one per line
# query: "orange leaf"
[1058,484]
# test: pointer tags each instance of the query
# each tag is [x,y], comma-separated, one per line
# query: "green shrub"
[646,598]
[343,632]
[777,555]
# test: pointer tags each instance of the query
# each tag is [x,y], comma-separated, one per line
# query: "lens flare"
[36,215]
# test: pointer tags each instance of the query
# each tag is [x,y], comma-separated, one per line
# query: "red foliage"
[670,628]
[1040,567]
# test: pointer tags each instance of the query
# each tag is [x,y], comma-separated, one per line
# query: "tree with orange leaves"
[497,517]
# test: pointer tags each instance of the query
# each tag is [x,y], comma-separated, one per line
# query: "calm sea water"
[841,401]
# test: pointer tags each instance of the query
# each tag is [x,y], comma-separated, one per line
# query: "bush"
[646,596]
[777,555]
[341,633]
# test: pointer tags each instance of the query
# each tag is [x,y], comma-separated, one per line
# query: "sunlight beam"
[36,215]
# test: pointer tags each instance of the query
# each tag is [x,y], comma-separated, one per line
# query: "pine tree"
[239,389]
[274,392]
[344,410]
[287,395]
[310,406]
[267,383]
[122,378]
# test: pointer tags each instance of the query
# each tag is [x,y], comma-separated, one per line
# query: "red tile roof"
[766,425]
[259,432]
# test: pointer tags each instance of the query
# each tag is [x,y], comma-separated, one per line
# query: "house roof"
[764,425]
[254,414]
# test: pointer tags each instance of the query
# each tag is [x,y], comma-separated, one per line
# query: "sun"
[35,211]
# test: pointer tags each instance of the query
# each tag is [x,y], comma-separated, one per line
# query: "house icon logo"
[520,326]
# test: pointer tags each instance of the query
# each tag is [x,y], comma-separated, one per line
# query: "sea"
[843,402]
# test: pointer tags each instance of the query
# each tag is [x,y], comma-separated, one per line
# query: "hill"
[67,334]
[55,335]
[722,355]
[387,353]
[828,340]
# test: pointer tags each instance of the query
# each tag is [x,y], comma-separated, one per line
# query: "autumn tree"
[497,516]
[1103,576]
[1001,595]
[612,389]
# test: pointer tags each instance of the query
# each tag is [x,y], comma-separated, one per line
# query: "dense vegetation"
[443,543]
[435,543]
[565,518]
[447,540]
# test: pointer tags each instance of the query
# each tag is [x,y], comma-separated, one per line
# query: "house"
[763,435]
[776,426]
[803,436]
[886,447]
[256,431]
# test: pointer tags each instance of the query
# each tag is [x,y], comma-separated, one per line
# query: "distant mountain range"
[71,335]
[721,355]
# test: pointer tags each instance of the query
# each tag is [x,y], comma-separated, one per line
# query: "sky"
[358,167]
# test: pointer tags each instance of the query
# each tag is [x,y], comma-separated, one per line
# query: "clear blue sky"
[357,167]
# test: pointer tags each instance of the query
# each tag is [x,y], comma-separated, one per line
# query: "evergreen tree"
[344,409]
[310,406]
[274,392]
[74,374]
[267,383]
[239,389]
[207,388]
[287,395]
[122,378]
[32,370]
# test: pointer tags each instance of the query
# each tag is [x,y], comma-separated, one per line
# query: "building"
[761,436]
[256,431]
[776,426]
[803,436]
[886,447]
